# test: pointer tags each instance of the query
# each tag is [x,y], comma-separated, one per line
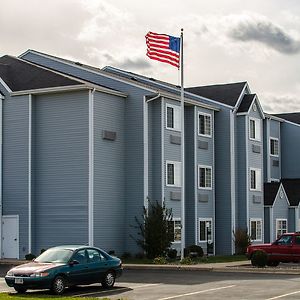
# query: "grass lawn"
[13,296]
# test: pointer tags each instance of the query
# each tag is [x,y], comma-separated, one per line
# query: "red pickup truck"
[285,249]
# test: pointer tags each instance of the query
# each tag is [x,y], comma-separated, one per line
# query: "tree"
[242,240]
[154,231]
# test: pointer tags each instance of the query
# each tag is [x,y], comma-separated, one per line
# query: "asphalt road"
[189,285]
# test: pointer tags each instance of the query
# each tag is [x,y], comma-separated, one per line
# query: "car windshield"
[55,256]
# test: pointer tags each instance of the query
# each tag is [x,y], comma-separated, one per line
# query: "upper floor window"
[173,173]
[173,117]
[256,229]
[255,179]
[204,177]
[274,147]
[204,124]
[255,129]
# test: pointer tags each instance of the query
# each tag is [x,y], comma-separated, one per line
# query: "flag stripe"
[161,47]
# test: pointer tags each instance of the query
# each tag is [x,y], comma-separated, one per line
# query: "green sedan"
[65,266]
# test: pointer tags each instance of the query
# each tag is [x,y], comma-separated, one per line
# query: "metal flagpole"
[182,152]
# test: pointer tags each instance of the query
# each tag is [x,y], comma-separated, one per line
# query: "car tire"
[58,285]
[273,263]
[109,280]
[20,289]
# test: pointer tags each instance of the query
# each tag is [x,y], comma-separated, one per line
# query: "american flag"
[164,48]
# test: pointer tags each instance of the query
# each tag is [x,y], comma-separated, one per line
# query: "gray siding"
[275,164]
[60,169]
[267,224]
[109,173]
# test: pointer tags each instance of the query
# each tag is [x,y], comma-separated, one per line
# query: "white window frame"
[282,231]
[199,231]
[177,173]
[256,233]
[176,117]
[176,220]
[258,180]
[210,120]
[211,177]
[257,129]
[274,139]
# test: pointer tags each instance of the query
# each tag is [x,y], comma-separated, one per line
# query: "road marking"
[143,285]
[199,292]
[284,295]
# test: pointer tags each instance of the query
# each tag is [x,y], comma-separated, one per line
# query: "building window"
[173,173]
[256,229]
[204,124]
[173,118]
[175,230]
[274,147]
[255,179]
[255,129]
[204,177]
[205,230]
[281,227]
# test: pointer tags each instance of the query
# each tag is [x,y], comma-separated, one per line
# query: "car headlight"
[10,273]
[36,275]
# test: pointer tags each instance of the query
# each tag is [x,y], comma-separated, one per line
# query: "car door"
[296,248]
[78,271]
[97,264]
[282,250]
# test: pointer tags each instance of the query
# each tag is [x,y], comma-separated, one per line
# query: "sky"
[225,41]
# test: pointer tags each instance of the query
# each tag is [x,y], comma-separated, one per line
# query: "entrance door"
[10,236]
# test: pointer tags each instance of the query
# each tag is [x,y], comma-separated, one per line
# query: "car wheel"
[109,279]
[273,263]
[20,289]
[58,285]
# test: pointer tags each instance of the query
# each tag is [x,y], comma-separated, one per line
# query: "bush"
[259,259]
[160,260]
[193,251]
[140,255]
[186,261]
[30,256]
[241,240]
[172,253]
[111,252]
[126,255]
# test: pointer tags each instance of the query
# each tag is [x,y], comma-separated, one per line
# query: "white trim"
[212,231]
[1,171]
[162,128]
[243,92]
[29,173]
[177,167]
[276,225]
[91,170]
[146,151]
[292,123]
[258,122]
[281,188]
[211,176]
[198,127]
[176,117]
[195,174]
[257,220]
[247,169]
[5,85]
[275,139]
[268,151]
[258,185]
[279,137]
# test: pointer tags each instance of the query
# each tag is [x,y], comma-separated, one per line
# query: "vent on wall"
[109,135]
[275,163]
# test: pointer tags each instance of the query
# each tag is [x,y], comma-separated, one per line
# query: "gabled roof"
[292,189]
[225,93]
[292,117]
[20,75]
[270,192]
[246,103]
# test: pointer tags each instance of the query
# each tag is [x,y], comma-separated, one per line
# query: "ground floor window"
[256,229]
[175,227]
[205,230]
[281,227]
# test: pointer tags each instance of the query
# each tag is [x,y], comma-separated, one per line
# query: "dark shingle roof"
[246,103]
[292,189]
[292,117]
[270,192]
[224,93]
[20,75]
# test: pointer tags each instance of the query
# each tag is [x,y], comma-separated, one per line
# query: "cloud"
[272,103]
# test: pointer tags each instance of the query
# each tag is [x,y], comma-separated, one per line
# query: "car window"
[94,255]
[297,239]
[285,240]
[80,257]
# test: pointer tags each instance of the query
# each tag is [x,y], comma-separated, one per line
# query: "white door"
[10,236]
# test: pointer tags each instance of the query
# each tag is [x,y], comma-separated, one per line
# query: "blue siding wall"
[60,168]
[109,173]
[267,224]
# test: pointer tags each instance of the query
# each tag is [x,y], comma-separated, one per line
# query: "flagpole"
[182,150]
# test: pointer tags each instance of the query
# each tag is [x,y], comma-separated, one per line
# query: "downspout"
[1,164]
[29,173]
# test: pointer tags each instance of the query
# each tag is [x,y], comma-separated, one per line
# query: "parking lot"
[179,284]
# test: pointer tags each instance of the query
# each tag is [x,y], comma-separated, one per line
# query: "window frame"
[176,227]
[270,141]
[257,129]
[256,220]
[211,228]
[211,177]
[177,170]
[277,227]
[176,117]
[210,122]
[258,184]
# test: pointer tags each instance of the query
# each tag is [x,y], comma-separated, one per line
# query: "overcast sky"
[224,40]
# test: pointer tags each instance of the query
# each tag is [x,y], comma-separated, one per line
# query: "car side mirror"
[74,262]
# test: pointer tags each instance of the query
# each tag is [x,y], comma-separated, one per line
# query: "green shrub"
[241,240]
[140,255]
[172,253]
[186,261]
[259,259]
[30,256]
[126,255]
[160,260]
[193,251]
